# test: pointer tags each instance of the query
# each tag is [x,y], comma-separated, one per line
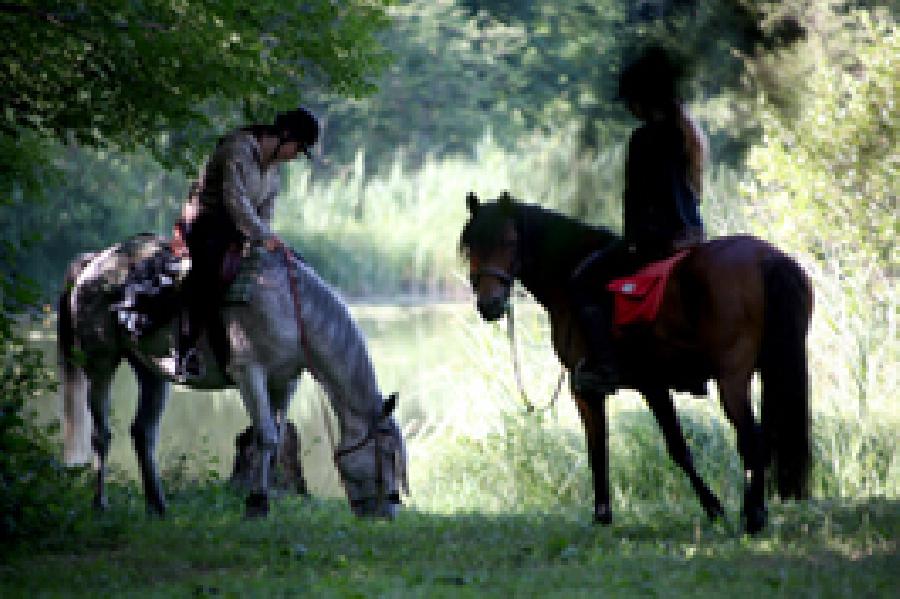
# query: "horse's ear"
[389,405]
[505,200]
[472,202]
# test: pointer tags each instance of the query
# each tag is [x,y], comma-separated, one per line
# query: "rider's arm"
[697,149]
[242,181]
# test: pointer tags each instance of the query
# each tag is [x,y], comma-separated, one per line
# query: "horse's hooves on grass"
[256,506]
[156,510]
[755,520]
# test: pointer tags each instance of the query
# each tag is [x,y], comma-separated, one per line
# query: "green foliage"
[123,73]
[40,500]
[95,198]
[147,82]
[462,66]
[449,81]
[826,181]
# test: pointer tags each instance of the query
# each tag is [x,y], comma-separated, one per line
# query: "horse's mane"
[550,236]
[340,353]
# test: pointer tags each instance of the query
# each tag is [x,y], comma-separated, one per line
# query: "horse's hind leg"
[99,383]
[153,393]
[660,402]
[734,391]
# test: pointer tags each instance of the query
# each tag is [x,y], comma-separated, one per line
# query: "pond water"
[451,370]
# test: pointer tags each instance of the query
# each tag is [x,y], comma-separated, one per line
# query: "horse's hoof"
[755,520]
[256,505]
[714,509]
[156,509]
[100,503]
[603,515]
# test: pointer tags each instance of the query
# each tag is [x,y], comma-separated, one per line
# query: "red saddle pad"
[637,297]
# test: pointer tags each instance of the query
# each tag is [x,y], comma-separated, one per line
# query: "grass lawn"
[314,547]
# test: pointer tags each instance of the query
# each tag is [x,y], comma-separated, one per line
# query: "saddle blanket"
[637,297]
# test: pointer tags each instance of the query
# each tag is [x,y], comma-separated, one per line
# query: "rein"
[388,407]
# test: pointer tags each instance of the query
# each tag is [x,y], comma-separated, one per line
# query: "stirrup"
[603,381]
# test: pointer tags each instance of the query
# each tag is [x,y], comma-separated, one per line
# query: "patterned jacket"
[234,179]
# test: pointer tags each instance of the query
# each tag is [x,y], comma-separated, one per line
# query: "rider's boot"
[598,372]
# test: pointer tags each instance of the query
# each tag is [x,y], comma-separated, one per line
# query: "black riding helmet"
[299,125]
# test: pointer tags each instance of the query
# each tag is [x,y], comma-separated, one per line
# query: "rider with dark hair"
[664,170]
[663,183]
[232,205]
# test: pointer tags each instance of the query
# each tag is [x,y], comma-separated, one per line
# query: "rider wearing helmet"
[232,206]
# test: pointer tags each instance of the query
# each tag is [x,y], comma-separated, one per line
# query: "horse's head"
[373,469]
[490,241]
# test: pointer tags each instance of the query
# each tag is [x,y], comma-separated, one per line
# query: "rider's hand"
[273,243]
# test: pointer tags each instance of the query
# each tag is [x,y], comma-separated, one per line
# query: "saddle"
[149,287]
[147,284]
[637,298]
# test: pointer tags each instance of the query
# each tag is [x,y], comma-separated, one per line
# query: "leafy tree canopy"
[121,72]
[830,174]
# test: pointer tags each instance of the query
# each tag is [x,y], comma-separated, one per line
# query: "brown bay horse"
[733,306]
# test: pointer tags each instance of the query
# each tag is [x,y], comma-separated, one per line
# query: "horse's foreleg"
[251,380]
[593,415]
[280,394]
[660,402]
[152,397]
[735,396]
[98,393]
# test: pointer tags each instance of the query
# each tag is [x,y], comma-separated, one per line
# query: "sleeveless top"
[660,205]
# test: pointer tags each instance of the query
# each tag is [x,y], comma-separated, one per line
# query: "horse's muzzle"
[493,308]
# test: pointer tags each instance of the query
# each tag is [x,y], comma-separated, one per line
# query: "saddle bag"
[637,298]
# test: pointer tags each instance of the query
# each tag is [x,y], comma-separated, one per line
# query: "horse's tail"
[76,417]
[785,379]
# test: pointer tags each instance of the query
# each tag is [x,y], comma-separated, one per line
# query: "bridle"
[508,278]
[375,426]
[505,277]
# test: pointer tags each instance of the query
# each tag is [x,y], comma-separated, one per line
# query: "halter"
[508,278]
[372,435]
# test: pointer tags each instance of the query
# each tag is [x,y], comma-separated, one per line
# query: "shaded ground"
[314,547]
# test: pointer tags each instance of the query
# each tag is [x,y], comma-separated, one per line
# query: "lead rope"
[517,370]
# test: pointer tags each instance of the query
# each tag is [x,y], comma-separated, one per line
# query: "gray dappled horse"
[268,354]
